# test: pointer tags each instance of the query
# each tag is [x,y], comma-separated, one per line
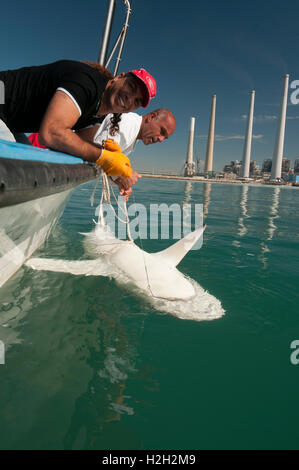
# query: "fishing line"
[107,188]
[142,251]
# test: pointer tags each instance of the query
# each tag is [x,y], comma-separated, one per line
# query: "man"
[151,128]
[56,98]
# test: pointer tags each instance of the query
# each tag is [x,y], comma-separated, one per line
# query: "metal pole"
[114,49]
[106,34]
[123,36]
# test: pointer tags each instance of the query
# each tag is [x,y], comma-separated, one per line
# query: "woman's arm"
[87,133]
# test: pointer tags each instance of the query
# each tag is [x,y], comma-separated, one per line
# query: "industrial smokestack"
[189,165]
[210,144]
[248,138]
[278,149]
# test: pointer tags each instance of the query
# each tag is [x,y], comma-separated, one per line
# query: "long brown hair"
[99,68]
[116,118]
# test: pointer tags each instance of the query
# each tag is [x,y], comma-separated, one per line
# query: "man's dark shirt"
[29,90]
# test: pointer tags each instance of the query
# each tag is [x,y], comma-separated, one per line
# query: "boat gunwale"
[25,180]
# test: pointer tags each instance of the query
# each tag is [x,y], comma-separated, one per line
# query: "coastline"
[218,180]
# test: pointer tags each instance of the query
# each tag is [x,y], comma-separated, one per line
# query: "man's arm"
[56,129]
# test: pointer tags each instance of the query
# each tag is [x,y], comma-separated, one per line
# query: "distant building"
[267,165]
[286,165]
[296,166]
[227,169]
[235,167]
[229,175]
[254,169]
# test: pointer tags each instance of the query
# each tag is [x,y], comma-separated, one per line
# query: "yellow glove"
[112,146]
[115,163]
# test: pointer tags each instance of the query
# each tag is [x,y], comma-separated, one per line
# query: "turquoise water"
[90,364]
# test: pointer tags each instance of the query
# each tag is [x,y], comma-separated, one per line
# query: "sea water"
[90,363]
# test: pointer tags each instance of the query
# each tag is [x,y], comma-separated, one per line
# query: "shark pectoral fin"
[87,268]
[175,253]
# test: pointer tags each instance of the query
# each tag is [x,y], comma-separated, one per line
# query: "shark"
[155,274]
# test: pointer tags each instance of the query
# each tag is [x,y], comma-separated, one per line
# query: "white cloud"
[222,138]
[266,117]
[261,117]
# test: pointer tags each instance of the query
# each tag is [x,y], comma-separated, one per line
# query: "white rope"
[144,262]
[93,192]
[106,193]
[106,196]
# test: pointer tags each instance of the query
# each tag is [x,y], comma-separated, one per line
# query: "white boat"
[35,185]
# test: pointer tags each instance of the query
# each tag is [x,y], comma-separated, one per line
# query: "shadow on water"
[68,357]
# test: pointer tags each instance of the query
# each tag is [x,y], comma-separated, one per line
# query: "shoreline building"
[234,168]
[254,169]
[267,165]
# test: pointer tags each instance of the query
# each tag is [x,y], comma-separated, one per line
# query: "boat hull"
[24,228]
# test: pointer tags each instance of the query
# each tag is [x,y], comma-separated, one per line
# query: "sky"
[193,49]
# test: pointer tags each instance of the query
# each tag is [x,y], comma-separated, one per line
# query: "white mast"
[106,33]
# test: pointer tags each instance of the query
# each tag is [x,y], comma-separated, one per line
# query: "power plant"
[189,165]
[247,167]
[278,149]
[248,138]
[211,136]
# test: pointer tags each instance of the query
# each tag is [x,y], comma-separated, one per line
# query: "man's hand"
[125,184]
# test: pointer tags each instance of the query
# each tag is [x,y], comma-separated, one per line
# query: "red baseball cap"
[150,87]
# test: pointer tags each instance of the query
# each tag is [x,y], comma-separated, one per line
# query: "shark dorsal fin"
[175,253]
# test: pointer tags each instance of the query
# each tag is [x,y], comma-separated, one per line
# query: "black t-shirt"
[29,90]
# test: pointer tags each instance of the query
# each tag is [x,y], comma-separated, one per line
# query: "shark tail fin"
[175,253]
